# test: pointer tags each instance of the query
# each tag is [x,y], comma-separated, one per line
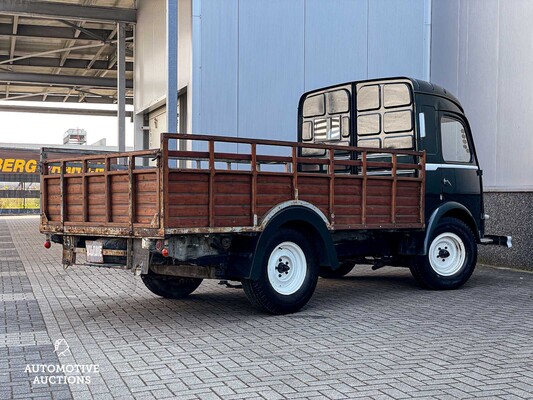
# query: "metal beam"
[121,87]
[32,8]
[61,80]
[14,38]
[81,29]
[62,110]
[59,98]
[71,63]
[101,49]
[52,32]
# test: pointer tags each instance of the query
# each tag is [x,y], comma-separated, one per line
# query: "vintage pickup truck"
[384,172]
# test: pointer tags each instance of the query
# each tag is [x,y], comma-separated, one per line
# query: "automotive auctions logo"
[62,374]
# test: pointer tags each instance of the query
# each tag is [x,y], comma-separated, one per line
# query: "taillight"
[47,244]
[164,252]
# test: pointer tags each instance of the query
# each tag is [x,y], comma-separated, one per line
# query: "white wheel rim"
[447,254]
[287,268]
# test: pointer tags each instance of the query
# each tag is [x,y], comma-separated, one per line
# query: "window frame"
[465,126]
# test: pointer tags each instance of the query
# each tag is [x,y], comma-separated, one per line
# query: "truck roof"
[419,86]
[425,87]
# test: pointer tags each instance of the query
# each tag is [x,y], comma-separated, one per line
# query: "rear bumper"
[506,241]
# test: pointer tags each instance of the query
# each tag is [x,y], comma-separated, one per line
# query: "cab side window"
[455,146]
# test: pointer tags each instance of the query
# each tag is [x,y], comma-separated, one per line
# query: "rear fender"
[301,216]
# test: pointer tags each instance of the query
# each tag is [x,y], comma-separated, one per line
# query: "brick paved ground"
[370,335]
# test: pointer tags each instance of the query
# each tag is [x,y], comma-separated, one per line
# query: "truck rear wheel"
[288,276]
[170,287]
[451,257]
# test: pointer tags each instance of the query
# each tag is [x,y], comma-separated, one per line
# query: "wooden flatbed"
[206,189]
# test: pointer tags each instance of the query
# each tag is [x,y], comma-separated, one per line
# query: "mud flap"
[69,251]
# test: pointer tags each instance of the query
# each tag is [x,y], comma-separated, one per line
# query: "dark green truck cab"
[410,114]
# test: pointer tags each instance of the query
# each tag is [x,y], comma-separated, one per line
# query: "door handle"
[446,182]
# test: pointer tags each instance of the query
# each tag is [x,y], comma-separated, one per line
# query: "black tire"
[344,269]
[453,273]
[303,277]
[170,287]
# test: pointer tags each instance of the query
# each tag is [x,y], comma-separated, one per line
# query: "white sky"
[21,127]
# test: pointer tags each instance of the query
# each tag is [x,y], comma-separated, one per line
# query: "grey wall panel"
[481,51]
[445,44]
[150,71]
[218,68]
[515,95]
[396,38]
[271,67]
[478,77]
[254,58]
[339,52]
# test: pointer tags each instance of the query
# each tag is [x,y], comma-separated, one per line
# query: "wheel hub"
[447,254]
[283,267]
[287,268]
[443,253]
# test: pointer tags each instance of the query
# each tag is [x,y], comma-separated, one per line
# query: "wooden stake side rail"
[219,191]
[210,191]
[96,195]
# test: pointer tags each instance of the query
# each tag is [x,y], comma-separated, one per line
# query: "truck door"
[460,176]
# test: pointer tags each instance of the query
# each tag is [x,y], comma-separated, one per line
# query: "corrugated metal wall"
[150,53]
[257,56]
[150,49]
[482,50]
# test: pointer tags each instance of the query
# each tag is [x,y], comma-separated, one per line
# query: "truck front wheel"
[451,257]
[170,287]
[288,276]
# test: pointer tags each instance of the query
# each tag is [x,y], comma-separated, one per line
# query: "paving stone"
[374,334]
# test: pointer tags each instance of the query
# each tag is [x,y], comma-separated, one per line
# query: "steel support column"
[172,66]
[121,86]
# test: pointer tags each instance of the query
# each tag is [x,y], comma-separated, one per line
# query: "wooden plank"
[187,211]
[187,222]
[233,199]
[272,199]
[188,199]
[348,201]
[191,188]
[233,188]
[147,198]
[347,220]
[96,200]
[405,211]
[264,189]
[188,176]
[400,201]
[146,186]
[54,199]
[232,210]
[75,199]
[374,210]
[53,187]
[232,221]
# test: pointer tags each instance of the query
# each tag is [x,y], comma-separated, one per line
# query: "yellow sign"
[17,165]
